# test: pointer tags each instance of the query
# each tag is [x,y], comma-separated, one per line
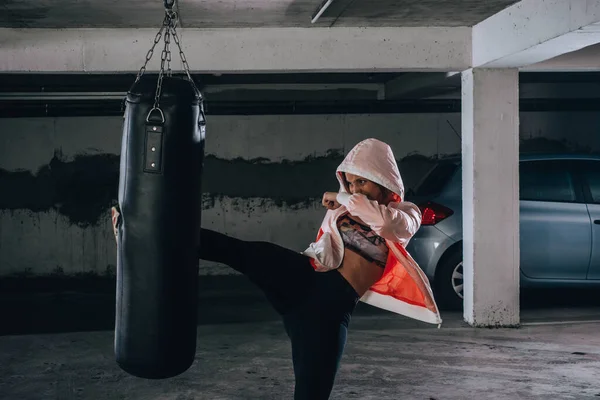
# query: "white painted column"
[490,151]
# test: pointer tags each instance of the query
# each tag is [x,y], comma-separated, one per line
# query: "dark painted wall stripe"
[85,188]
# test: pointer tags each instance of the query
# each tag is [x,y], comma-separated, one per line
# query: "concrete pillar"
[490,173]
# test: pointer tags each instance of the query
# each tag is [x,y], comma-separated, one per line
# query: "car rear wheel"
[448,282]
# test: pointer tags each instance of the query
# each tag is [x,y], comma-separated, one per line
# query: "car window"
[436,179]
[546,181]
[590,171]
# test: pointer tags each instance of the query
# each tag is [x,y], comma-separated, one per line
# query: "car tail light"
[432,213]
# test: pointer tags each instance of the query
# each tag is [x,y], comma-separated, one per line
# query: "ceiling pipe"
[62,96]
[321,10]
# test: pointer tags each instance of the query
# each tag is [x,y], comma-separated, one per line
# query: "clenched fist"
[330,201]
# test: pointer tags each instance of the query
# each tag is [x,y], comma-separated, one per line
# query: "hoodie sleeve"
[397,223]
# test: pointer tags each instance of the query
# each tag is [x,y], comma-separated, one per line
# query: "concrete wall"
[263,178]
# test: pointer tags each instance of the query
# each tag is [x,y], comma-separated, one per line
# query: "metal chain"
[167,30]
[169,71]
[163,59]
[184,60]
[151,51]
[172,20]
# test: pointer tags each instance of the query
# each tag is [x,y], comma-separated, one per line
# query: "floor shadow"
[51,307]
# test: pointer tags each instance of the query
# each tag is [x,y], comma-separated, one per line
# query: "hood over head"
[374,160]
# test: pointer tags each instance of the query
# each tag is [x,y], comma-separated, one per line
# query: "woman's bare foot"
[115,214]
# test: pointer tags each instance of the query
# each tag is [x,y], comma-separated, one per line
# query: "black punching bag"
[162,157]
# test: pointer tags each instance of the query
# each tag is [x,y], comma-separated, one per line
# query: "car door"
[589,171]
[555,227]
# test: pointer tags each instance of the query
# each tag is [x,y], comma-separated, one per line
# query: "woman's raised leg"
[284,275]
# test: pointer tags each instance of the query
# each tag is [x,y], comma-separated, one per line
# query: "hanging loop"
[169,4]
[162,116]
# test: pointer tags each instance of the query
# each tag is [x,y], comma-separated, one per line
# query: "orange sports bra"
[362,240]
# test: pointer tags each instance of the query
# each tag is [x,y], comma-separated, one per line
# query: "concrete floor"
[243,353]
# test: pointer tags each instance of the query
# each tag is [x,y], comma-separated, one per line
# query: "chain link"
[172,16]
[169,71]
[163,59]
[186,67]
[151,51]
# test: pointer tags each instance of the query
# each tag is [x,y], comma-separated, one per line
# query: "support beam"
[419,85]
[532,31]
[240,50]
[490,172]
[584,60]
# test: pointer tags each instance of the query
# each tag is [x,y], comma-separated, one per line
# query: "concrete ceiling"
[245,13]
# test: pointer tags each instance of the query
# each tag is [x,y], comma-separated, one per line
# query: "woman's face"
[358,184]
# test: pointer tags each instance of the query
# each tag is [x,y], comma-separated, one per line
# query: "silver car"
[559,224]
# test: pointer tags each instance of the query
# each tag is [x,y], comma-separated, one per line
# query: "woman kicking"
[359,254]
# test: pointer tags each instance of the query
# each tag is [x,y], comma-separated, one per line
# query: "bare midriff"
[360,273]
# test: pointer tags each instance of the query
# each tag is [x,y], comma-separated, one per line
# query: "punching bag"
[162,155]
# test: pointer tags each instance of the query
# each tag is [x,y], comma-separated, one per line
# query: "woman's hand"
[330,201]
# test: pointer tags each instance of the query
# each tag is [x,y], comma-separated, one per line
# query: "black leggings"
[316,306]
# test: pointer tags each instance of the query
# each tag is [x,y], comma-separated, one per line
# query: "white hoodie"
[403,288]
